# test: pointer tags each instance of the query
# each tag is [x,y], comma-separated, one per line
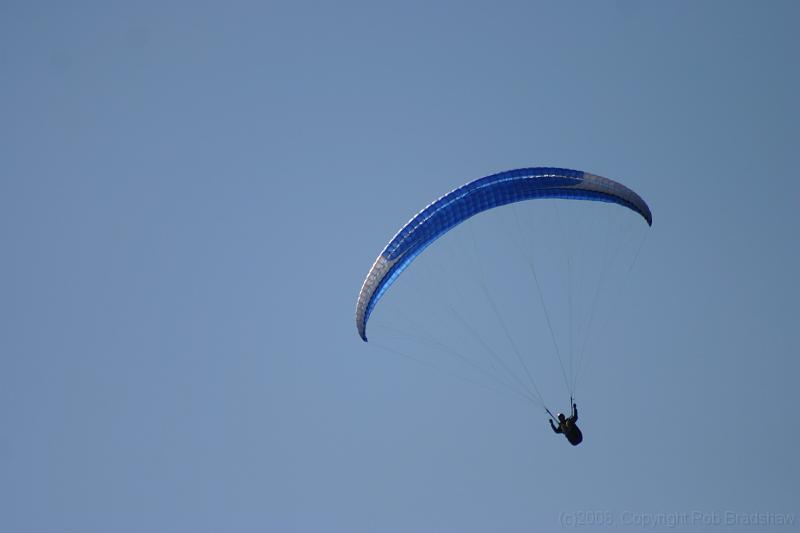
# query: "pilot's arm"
[555,429]
[574,412]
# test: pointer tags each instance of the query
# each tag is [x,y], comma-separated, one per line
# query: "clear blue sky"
[192,192]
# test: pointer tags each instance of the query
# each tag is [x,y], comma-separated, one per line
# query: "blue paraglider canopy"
[475,197]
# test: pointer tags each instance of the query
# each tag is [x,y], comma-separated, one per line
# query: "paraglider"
[568,426]
[475,197]
[468,200]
